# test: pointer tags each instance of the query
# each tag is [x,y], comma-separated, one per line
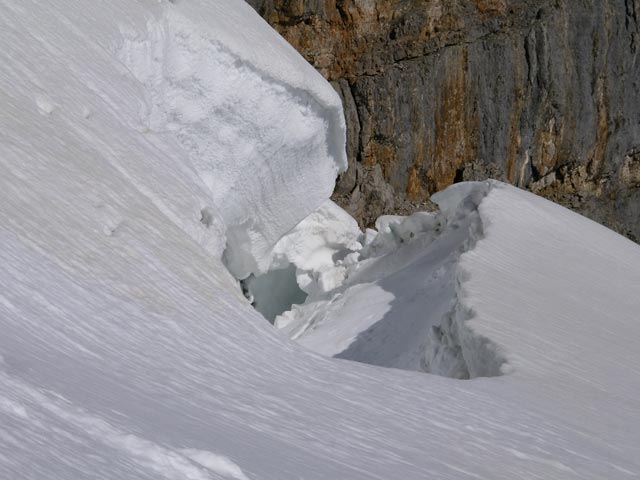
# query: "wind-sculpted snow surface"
[128,350]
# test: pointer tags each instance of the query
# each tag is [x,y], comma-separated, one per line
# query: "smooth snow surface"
[143,142]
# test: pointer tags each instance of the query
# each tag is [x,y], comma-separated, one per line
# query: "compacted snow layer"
[237,118]
[128,350]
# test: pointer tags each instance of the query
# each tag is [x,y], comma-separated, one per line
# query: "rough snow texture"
[320,247]
[259,125]
[310,260]
[128,351]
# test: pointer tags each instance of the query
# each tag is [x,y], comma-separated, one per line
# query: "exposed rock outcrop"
[544,94]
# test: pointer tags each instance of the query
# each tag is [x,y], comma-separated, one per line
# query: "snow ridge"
[453,349]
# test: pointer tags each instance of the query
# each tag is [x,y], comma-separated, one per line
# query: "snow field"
[128,350]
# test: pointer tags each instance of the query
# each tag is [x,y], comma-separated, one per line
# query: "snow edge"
[455,348]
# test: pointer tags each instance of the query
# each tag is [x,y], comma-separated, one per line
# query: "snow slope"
[141,144]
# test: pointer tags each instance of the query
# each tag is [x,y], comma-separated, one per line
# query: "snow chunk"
[323,238]
[215,463]
[319,247]
[45,105]
[395,230]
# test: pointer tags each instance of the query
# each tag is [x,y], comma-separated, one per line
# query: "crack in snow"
[396,296]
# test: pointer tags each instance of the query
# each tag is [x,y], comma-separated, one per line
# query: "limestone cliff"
[544,94]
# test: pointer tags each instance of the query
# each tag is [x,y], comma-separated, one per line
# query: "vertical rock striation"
[543,94]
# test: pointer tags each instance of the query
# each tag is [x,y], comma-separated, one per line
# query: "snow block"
[265,137]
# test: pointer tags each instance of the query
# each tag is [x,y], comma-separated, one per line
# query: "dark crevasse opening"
[273,292]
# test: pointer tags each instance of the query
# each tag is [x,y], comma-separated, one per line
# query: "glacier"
[154,153]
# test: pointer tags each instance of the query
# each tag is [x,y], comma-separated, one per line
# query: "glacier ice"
[274,292]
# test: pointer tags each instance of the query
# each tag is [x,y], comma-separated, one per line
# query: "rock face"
[544,94]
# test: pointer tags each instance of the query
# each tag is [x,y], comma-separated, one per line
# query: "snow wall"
[262,129]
